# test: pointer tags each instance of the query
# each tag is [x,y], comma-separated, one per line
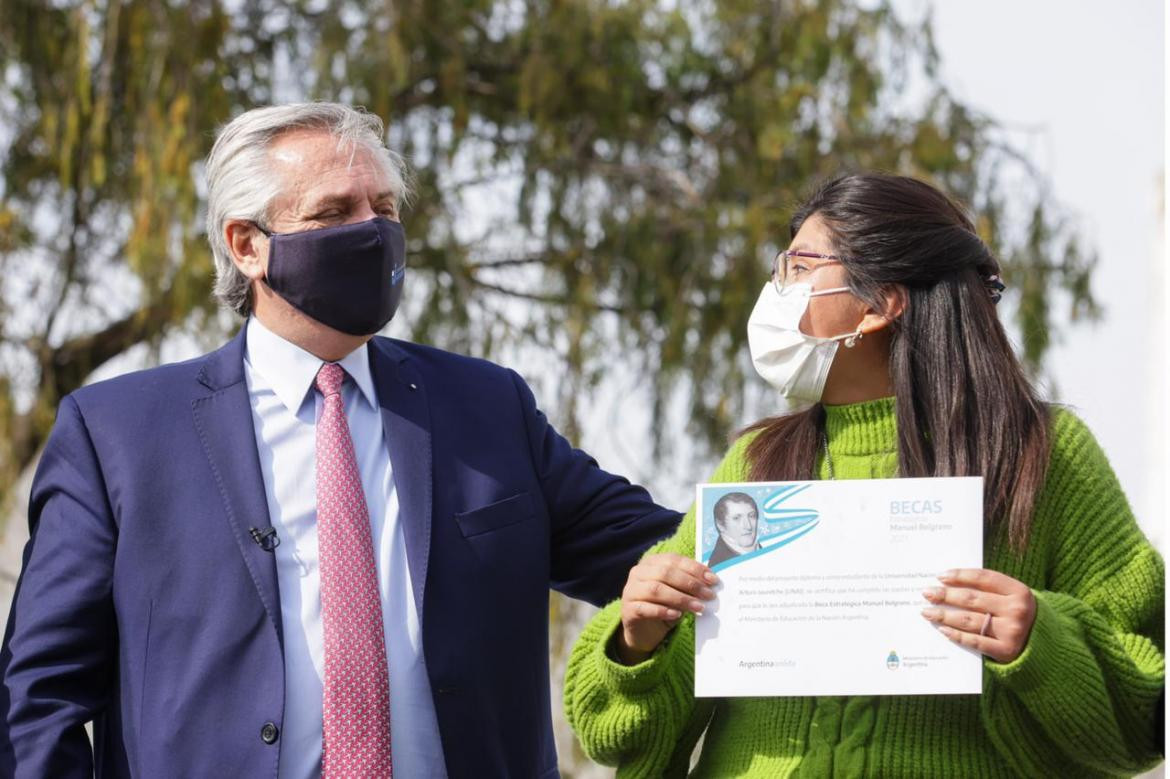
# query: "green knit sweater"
[1083,699]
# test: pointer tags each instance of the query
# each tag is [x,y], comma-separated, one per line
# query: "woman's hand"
[659,589]
[994,613]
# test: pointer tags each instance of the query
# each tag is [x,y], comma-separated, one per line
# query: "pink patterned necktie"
[356,708]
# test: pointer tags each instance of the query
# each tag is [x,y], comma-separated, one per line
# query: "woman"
[882,315]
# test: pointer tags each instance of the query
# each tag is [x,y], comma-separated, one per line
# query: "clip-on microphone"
[266,539]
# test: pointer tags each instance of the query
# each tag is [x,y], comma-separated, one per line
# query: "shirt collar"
[290,370]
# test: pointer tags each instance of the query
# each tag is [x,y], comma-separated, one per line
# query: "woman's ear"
[894,300]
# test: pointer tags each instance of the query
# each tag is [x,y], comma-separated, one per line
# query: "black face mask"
[347,277]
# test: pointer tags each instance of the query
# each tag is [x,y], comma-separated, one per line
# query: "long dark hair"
[964,405]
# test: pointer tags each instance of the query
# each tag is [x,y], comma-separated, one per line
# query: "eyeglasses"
[790,267]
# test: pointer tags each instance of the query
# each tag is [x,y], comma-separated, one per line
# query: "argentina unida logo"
[892,662]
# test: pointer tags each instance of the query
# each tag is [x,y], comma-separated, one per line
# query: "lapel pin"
[413,386]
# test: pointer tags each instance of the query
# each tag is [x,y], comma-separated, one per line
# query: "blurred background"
[600,189]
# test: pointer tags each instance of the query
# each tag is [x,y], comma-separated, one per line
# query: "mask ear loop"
[267,234]
[850,340]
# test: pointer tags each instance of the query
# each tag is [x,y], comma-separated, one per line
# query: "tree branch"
[72,361]
[507,262]
[64,369]
[548,300]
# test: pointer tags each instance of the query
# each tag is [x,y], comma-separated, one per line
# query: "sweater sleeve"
[1084,697]
[634,717]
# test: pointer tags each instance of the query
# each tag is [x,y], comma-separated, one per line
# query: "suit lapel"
[406,425]
[223,418]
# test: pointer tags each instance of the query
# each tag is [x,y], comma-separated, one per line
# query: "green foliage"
[658,152]
[107,110]
[608,180]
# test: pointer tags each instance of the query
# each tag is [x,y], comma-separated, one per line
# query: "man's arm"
[57,658]
[600,523]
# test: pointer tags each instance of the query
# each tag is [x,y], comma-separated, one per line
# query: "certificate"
[821,584]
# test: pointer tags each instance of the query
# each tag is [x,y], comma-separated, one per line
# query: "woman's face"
[827,316]
[858,373]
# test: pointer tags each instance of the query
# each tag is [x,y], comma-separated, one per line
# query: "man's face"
[739,524]
[324,185]
[320,183]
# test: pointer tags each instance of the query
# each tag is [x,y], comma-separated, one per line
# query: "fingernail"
[931,613]
[673,613]
[711,578]
[707,594]
[933,593]
[948,574]
[697,607]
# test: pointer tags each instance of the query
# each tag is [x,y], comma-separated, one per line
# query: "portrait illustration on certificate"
[821,586]
[734,533]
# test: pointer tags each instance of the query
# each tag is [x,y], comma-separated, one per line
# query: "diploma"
[821,586]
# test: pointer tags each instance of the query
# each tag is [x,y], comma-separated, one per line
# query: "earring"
[852,340]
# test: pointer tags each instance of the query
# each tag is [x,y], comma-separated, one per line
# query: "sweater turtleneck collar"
[862,428]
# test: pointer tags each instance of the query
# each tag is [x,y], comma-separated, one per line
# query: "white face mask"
[792,362]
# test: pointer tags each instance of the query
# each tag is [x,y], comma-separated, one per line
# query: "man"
[311,551]
[737,519]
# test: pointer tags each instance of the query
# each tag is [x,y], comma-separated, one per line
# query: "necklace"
[828,457]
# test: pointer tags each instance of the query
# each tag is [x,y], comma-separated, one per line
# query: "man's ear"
[248,246]
[894,301]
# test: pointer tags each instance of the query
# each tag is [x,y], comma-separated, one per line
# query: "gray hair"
[241,183]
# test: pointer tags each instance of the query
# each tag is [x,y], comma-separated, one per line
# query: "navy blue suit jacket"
[145,605]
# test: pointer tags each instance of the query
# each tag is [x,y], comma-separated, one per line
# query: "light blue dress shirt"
[285,407]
